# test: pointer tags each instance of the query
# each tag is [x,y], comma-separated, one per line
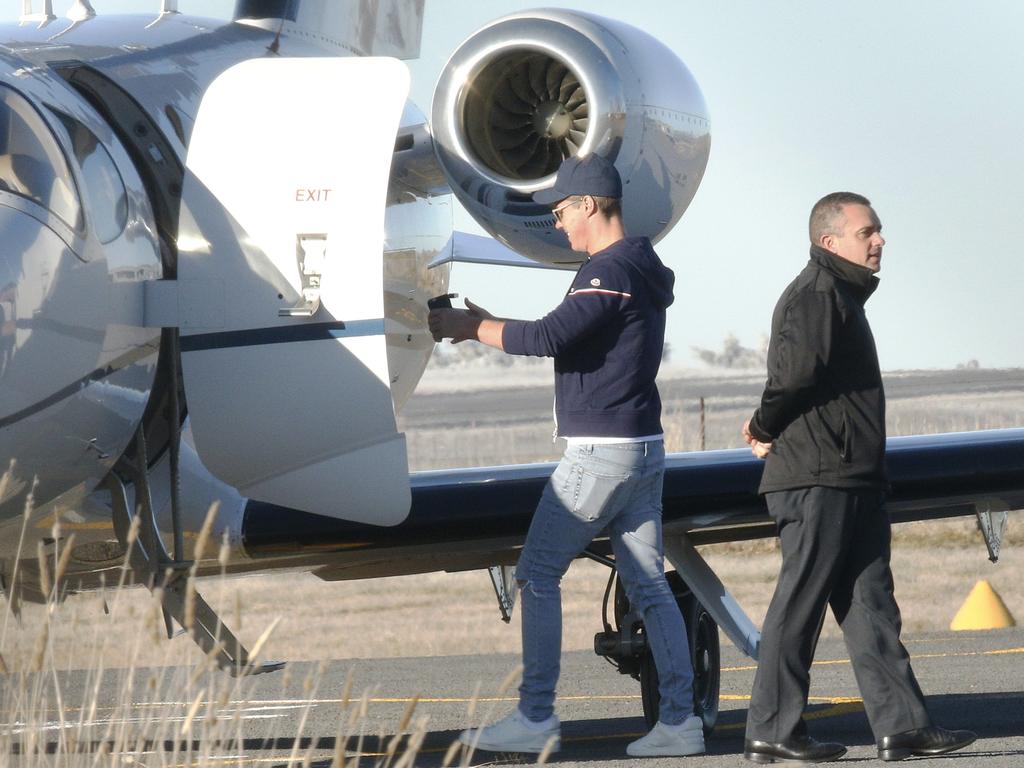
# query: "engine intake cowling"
[530,89]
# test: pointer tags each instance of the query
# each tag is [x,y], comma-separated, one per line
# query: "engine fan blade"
[500,117]
[519,83]
[504,141]
[538,77]
[509,101]
[555,77]
[578,98]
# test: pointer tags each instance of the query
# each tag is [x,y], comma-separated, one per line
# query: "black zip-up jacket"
[606,337]
[823,406]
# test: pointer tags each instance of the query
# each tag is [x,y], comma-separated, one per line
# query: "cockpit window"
[108,199]
[31,163]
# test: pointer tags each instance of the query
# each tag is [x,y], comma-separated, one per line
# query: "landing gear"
[626,646]
[137,530]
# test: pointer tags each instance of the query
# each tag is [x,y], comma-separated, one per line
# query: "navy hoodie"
[606,337]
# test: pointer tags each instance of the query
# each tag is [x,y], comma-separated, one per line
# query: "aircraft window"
[108,198]
[31,163]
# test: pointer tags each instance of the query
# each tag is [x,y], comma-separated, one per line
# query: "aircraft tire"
[705,653]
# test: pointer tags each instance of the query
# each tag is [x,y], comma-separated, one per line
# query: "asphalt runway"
[521,405]
[973,680]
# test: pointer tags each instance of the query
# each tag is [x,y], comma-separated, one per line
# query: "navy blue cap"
[590,175]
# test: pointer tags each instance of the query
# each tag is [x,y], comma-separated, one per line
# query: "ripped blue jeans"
[614,488]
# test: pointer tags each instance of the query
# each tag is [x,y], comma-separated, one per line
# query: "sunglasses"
[558,211]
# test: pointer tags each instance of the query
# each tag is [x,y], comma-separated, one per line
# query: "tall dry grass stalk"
[63,707]
[467,751]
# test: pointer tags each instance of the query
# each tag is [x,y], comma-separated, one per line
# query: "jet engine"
[530,89]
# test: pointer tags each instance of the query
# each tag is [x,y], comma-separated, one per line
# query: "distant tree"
[734,355]
[472,354]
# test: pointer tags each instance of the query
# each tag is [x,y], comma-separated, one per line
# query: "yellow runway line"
[913,656]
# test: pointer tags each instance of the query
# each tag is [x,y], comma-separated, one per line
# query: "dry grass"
[723,416]
[124,709]
[935,563]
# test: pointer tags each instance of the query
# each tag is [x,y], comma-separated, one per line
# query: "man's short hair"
[826,214]
[609,206]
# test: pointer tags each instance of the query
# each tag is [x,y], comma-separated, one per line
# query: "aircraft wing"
[475,518]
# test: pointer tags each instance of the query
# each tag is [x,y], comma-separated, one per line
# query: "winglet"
[476,249]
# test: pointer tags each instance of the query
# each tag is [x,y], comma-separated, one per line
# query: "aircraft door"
[280,285]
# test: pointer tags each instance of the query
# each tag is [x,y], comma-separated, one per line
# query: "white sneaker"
[515,733]
[687,738]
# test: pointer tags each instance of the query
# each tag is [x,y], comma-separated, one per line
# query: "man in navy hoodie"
[606,338]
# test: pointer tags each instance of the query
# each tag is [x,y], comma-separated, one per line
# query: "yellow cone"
[983,609]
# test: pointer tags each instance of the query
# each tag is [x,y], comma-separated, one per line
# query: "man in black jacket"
[821,428]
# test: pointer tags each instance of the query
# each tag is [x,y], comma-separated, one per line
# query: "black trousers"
[835,552]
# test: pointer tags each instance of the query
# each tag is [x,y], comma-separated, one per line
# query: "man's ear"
[826,242]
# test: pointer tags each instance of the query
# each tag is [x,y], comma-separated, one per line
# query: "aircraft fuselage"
[98,122]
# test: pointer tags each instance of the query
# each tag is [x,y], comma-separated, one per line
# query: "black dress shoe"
[801,749]
[932,740]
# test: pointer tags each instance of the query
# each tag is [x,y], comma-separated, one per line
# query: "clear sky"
[918,106]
